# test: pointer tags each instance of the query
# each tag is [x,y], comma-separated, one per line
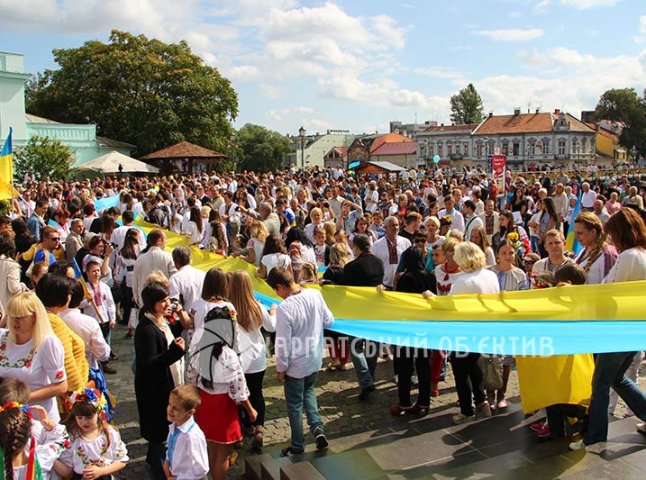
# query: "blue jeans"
[609,371]
[364,357]
[299,393]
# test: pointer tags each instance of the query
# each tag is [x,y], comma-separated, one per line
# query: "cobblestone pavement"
[337,394]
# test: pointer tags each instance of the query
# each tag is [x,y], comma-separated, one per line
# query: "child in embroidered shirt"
[17,457]
[186,456]
[99,301]
[51,438]
[96,451]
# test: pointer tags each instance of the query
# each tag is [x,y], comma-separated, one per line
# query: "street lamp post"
[301,134]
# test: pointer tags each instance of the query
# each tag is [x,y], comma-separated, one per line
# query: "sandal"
[399,411]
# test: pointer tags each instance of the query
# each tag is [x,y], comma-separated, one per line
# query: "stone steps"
[431,447]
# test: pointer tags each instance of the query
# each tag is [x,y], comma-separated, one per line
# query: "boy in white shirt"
[186,455]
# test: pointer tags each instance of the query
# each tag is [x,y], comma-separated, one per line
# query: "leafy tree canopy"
[624,105]
[260,149]
[466,106]
[45,156]
[138,90]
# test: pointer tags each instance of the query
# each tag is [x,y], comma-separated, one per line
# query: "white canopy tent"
[109,163]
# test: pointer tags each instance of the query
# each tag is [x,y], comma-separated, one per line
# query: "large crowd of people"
[200,351]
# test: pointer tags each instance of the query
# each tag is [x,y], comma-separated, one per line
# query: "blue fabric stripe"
[509,338]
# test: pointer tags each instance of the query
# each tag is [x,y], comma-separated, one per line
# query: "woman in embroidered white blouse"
[31,353]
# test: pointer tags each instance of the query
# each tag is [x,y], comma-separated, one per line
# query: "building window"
[546,147]
[466,149]
[479,150]
[505,148]
[458,148]
[516,147]
[561,147]
[431,149]
[531,149]
[449,149]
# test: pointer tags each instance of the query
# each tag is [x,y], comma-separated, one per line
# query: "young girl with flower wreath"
[96,450]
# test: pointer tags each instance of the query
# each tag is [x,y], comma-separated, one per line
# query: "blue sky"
[358,64]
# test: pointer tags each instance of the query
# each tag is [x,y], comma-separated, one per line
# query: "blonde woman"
[479,237]
[32,353]
[256,243]
[597,257]
[468,374]
[253,351]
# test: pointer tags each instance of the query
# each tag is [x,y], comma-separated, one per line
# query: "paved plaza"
[367,442]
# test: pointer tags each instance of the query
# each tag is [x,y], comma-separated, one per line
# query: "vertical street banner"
[498,168]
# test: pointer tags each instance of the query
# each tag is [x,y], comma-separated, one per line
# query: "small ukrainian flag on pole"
[6,169]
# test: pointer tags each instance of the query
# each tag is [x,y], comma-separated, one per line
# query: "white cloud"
[561,78]
[381,93]
[440,72]
[642,30]
[287,112]
[83,16]
[512,34]
[586,4]
[541,5]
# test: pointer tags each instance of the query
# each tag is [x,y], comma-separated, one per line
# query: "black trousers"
[155,458]
[557,415]
[256,398]
[407,360]
[468,381]
[126,302]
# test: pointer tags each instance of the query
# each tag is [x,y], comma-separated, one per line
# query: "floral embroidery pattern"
[86,460]
[20,363]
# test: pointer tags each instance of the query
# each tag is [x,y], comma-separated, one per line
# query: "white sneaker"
[574,446]
[641,427]
[414,380]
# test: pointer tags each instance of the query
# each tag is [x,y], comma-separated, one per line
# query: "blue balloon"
[436,158]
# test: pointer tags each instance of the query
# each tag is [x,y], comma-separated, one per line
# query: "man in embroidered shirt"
[389,248]
[300,320]
[186,456]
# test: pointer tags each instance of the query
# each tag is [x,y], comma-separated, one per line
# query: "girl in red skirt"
[216,370]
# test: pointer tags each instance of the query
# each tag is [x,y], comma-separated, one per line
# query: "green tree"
[138,90]
[260,149]
[624,105]
[466,106]
[45,156]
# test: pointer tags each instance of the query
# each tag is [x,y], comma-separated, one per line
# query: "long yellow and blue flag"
[553,321]
[6,169]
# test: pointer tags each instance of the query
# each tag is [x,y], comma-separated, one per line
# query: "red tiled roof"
[183,150]
[341,150]
[388,138]
[526,123]
[396,148]
[467,127]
